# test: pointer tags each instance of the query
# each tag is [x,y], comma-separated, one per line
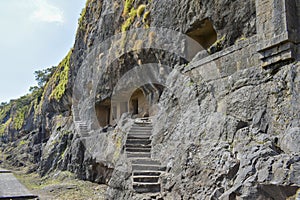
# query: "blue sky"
[34,34]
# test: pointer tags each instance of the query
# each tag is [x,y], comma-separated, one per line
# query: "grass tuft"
[127,7]
[141,10]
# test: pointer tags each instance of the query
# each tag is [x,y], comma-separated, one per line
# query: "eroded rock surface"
[230,137]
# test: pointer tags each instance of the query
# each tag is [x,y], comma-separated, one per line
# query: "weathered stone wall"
[229,138]
[228,128]
[277,30]
[225,63]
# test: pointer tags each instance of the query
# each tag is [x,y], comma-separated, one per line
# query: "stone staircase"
[145,171]
[82,128]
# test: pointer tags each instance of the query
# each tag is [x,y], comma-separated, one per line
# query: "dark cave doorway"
[203,32]
[103,112]
[143,102]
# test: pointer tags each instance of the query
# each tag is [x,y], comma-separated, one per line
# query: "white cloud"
[46,12]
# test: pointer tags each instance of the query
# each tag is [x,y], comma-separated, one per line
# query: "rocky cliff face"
[233,137]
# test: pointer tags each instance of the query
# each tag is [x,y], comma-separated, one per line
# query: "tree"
[42,76]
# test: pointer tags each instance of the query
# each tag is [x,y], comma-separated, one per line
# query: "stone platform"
[11,188]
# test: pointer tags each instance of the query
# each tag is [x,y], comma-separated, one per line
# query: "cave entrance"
[103,112]
[135,105]
[144,100]
[138,104]
[203,32]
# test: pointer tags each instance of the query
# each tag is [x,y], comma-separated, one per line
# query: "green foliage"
[43,76]
[82,16]
[132,13]
[15,112]
[130,20]
[36,92]
[242,38]
[217,46]
[127,7]
[146,16]
[3,104]
[4,112]
[22,143]
[4,126]
[60,78]
[141,10]
[19,118]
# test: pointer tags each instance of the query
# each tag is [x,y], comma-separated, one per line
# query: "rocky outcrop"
[227,138]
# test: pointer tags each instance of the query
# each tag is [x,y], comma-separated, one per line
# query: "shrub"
[127,7]
[141,10]
[129,21]
[146,16]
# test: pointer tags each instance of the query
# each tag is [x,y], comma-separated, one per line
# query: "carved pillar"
[277,30]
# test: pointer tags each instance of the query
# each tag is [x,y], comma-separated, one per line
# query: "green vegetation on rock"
[60,78]
[141,10]
[130,20]
[130,13]
[146,16]
[19,118]
[4,112]
[4,126]
[81,19]
[23,143]
[43,76]
[127,7]
[14,113]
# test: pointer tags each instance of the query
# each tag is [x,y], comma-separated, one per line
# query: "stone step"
[138,150]
[146,173]
[138,146]
[147,137]
[82,125]
[138,141]
[4,171]
[138,155]
[141,131]
[142,125]
[140,134]
[141,128]
[146,187]
[139,167]
[145,179]
[146,127]
[146,162]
